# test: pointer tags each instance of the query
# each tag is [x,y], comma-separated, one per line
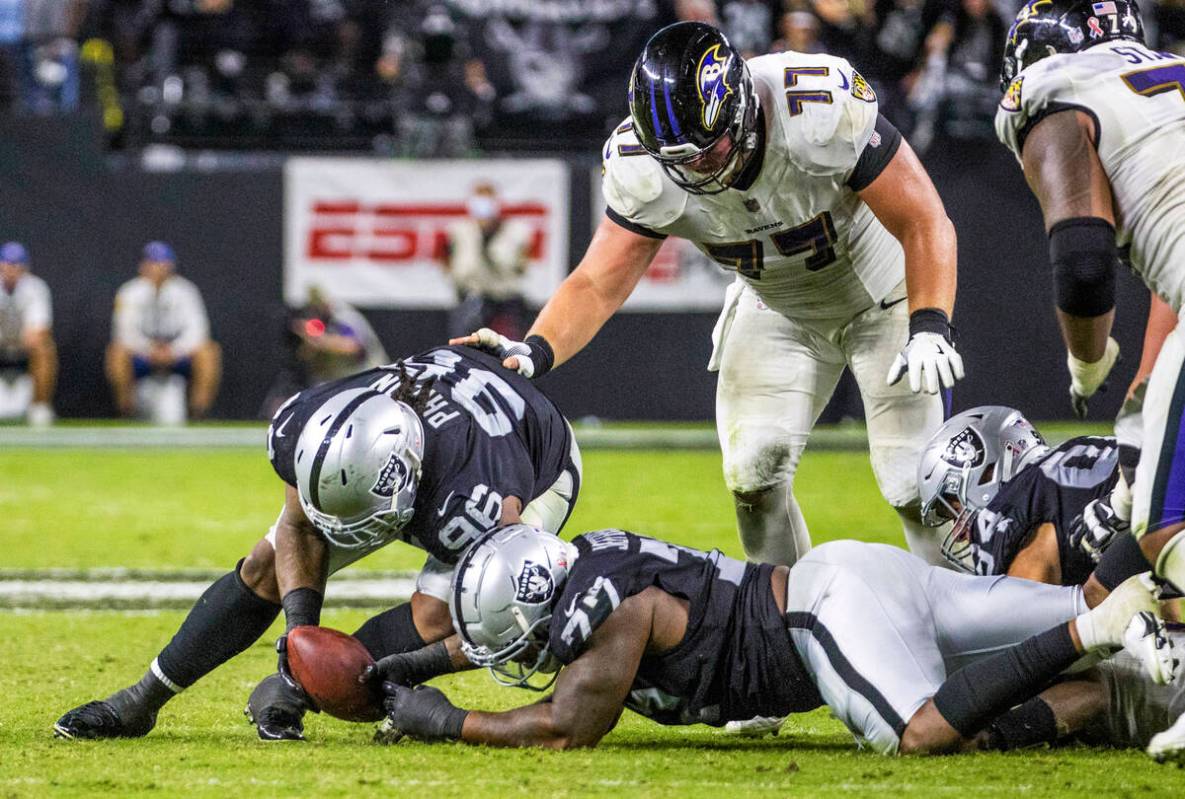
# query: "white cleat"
[1169,746]
[757,727]
[1146,639]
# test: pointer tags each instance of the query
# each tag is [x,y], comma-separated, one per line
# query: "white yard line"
[145,594]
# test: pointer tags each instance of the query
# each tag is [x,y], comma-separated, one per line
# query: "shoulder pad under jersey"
[634,184]
[818,107]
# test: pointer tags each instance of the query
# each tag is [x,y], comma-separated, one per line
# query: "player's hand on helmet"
[1088,378]
[929,357]
[410,668]
[530,358]
[1096,528]
[423,712]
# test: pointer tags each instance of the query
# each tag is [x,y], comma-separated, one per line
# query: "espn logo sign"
[397,233]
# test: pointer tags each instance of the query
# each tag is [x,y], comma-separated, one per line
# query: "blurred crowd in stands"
[450,77]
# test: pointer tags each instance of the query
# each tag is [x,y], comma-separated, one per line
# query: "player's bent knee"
[431,617]
[258,571]
[752,498]
[758,469]
[911,511]
[928,733]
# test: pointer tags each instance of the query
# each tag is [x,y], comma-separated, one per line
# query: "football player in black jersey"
[432,451]
[912,658]
[1017,504]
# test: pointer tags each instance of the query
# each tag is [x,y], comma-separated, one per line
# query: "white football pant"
[776,377]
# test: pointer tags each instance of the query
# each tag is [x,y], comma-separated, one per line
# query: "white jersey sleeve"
[1040,90]
[1136,98]
[829,111]
[126,327]
[192,321]
[38,308]
[635,187]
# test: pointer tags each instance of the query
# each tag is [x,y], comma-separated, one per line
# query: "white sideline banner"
[680,278]
[372,231]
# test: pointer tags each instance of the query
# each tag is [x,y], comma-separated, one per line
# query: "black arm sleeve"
[633,227]
[879,151]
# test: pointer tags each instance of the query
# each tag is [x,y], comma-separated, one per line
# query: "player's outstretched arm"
[615,261]
[589,693]
[1063,169]
[907,204]
[905,201]
[588,698]
[302,561]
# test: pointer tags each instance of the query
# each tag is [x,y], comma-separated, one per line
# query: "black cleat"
[277,710]
[99,720]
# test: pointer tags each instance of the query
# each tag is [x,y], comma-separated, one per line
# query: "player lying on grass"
[432,451]
[912,658]
[1017,504]
[1022,508]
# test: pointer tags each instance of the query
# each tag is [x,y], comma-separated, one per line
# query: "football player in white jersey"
[1097,121]
[781,169]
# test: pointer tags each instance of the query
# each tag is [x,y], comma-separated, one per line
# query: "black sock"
[390,632]
[1121,560]
[227,619]
[977,693]
[1030,724]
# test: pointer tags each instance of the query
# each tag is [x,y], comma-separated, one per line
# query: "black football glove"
[286,673]
[410,668]
[423,712]
[1093,530]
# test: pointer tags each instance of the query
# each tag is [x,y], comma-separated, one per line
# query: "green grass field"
[157,509]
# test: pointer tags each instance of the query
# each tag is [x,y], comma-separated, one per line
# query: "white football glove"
[1087,378]
[531,360]
[931,361]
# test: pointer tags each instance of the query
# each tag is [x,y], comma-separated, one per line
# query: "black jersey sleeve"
[877,154]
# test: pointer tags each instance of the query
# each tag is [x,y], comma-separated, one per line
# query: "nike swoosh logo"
[280,429]
[887,305]
[845,81]
[444,505]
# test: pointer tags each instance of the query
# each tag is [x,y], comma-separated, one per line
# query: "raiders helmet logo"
[710,79]
[392,477]
[965,450]
[535,584]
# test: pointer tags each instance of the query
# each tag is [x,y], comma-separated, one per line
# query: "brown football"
[327,664]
